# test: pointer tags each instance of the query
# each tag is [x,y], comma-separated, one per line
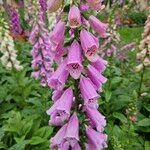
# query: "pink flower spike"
[88,92]
[95,4]
[90,45]
[96,77]
[74,63]
[98,26]
[74,17]
[59,77]
[98,140]
[60,111]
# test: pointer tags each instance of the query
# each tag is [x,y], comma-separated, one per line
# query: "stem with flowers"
[77,79]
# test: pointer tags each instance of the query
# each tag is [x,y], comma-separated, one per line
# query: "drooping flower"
[98,26]
[100,64]
[57,140]
[90,45]
[56,95]
[74,17]
[59,77]
[60,111]
[97,78]
[74,63]
[97,120]
[57,35]
[96,140]
[72,133]
[88,92]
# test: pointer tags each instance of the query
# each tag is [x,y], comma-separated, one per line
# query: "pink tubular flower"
[57,94]
[100,64]
[59,77]
[57,35]
[57,140]
[54,5]
[98,26]
[60,111]
[88,92]
[95,4]
[74,63]
[76,147]
[74,17]
[90,45]
[96,140]
[96,77]
[72,133]
[97,120]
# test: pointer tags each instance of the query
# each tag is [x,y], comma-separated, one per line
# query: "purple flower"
[88,92]
[59,77]
[60,111]
[96,140]
[74,17]
[97,78]
[97,120]
[76,147]
[57,94]
[100,64]
[74,63]
[84,7]
[72,133]
[57,140]
[98,26]
[90,45]
[57,35]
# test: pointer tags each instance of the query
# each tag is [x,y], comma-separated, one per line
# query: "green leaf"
[147,145]
[120,116]
[144,122]
[35,140]
[108,95]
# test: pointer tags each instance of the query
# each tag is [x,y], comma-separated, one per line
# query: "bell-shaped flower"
[57,35]
[59,77]
[100,64]
[74,63]
[97,120]
[56,95]
[97,78]
[98,26]
[88,92]
[90,45]
[74,17]
[72,133]
[96,140]
[60,111]
[57,140]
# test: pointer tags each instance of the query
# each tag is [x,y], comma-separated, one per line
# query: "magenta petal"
[96,138]
[74,17]
[97,78]
[90,45]
[88,92]
[96,118]
[74,64]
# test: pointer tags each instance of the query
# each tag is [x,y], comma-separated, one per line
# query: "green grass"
[129,35]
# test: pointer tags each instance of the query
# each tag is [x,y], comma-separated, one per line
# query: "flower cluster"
[78,80]
[15,24]
[41,51]
[7,48]
[144,55]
